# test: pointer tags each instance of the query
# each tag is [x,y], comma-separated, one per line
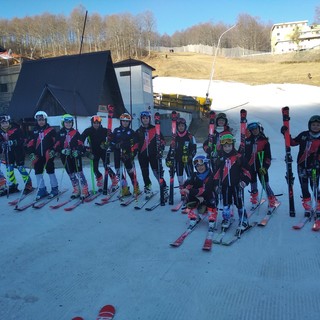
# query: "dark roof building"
[78,84]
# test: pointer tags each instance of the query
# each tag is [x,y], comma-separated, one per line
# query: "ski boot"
[54,192]
[42,193]
[306,203]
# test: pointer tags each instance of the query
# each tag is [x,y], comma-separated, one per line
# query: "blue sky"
[173,15]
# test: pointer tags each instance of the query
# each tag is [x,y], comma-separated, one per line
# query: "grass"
[300,67]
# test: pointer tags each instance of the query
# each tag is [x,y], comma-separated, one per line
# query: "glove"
[104,145]
[218,189]
[11,143]
[32,156]
[169,163]
[89,155]
[66,152]
[284,129]
[242,184]
[51,154]
[75,153]
[184,192]
[263,171]
[184,159]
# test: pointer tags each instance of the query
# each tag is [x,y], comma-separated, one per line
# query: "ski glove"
[51,154]
[75,153]
[66,152]
[284,129]
[169,163]
[263,171]
[242,184]
[89,155]
[104,145]
[32,156]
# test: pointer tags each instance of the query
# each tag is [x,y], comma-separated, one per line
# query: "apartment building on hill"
[294,36]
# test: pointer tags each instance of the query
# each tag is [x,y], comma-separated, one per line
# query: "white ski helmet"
[40,114]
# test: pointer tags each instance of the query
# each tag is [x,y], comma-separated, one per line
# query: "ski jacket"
[69,139]
[309,149]
[147,142]
[14,134]
[43,139]
[185,145]
[124,139]
[95,138]
[254,145]
[232,168]
[200,188]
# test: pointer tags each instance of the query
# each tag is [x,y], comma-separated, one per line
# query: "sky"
[56,265]
[173,15]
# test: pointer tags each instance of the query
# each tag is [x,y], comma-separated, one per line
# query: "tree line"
[126,35]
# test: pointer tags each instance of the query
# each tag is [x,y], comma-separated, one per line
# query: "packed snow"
[56,265]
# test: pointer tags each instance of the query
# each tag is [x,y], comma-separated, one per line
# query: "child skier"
[124,144]
[308,159]
[258,155]
[12,145]
[199,188]
[41,148]
[70,147]
[231,177]
[96,136]
[185,150]
[147,152]
[221,126]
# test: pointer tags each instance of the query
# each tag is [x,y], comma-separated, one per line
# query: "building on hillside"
[294,36]
[9,73]
[135,82]
[82,85]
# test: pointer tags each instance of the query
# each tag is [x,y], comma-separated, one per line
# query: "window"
[3,87]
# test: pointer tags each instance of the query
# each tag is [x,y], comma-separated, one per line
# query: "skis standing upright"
[159,153]
[211,145]
[288,160]
[243,129]
[172,154]
[107,160]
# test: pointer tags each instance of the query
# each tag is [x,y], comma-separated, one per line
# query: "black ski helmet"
[223,116]
[314,118]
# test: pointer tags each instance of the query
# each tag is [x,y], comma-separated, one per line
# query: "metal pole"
[214,60]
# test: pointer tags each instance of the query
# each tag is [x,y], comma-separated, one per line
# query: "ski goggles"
[226,141]
[315,119]
[40,118]
[96,119]
[253,125]
[68,119]
[145,114]
[199,162]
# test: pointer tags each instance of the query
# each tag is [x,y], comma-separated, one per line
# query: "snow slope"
[56,265]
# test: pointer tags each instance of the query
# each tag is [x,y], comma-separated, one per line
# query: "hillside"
[298,68]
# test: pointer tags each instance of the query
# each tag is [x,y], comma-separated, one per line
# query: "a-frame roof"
[79,83]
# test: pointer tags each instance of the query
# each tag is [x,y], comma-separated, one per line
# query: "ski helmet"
[182,121]
[66,118]
[96,118]
[145,114]
[227,138]
[199,160]
[314,118]
[41,115]
[125,117]
[5,118]
[254,125]
[223,116]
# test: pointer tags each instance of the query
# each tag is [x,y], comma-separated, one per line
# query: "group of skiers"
[218,176]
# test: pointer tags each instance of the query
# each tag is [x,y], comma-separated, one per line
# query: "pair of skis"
[107,312]
[40,203]
[305,220]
